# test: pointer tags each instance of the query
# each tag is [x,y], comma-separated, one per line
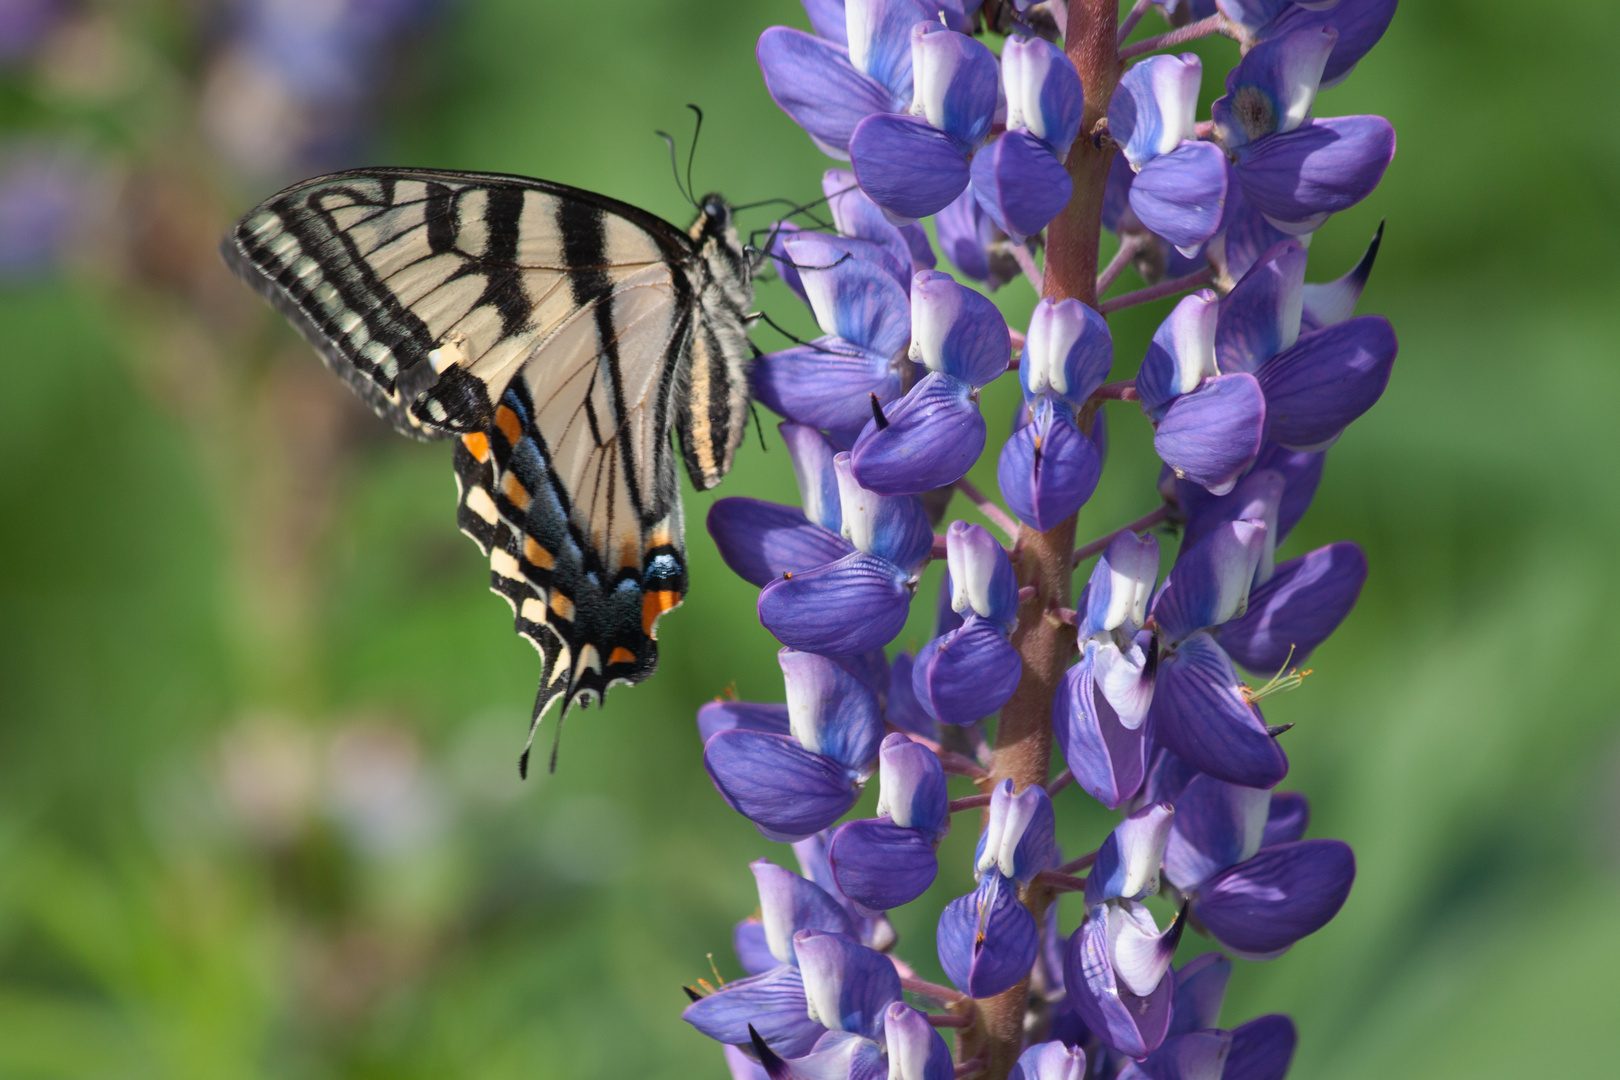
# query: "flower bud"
[1068,350]
[982,577]
[1155,106]
[1018,839]
[1044,95]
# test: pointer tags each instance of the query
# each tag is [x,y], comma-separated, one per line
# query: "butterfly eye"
[714,208]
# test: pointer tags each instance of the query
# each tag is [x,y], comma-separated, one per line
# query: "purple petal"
[826,384]
[852,299]
[1290,815]
[855,215]
[987,939]
[1104,755]
[1127,864]
[879,36]
[945,617]
[743,1067]
[1333,302]
[846,985]
[1117,215]
[968,674]
[827,20]
[1140,951]
[854,605]
[1155,105]
[789,903]
[1047,471]
[880,865]
[1019,834]
[1125,678]
[892,527]
[1067,350]
[774,1003]
[714,717]
[1325,166]
[1360,23]
[753,953]
[1167,777]
[1121,584]
[784,789]
[1217,825]
[1258,497]
[902,709]
[982,578]
[1248,234]
[1305,601]
[966,235]
[931,438]
[1260,317]
[1199,714]
[812,455]
[830,711]
[1263,1048]
[912,787]
[1210,582]
[1200,990]
[1131,1025]
[907,166]
[1044,95]
[814,83]
[956,330]
[776,248]
[1050,1061]
[1181,195]
[761,541]
[922,250]
[1261,907]
[1274,86]
[1329,378]
[1197,1055]
[954,82]
[1252,14]
[1182,354]
[1020,183]
[916,1050]
[1211,436]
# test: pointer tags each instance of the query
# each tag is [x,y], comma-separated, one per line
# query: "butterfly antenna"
[675,167]
[691,154]
[753,410]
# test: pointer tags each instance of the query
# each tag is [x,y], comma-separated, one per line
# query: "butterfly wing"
[546,327]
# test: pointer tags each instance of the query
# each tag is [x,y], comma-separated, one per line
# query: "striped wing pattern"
[543,327]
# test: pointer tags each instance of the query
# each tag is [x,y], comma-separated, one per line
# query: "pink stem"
[1128,248]
[1060,882]
[949,1020]
[1061,781]
[1123,390]
[1141,524]
[942,994]
[989,509]
[1026,262]
[1215,24]
[1081,863]
[1158,292]
[1133,18]
[968,802]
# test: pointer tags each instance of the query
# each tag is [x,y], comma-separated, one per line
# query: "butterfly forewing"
[554,331]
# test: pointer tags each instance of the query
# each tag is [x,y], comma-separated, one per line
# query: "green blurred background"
[259,811]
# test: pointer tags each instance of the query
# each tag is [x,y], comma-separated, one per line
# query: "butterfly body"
[559,337]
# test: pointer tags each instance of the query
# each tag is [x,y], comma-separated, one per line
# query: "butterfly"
[558,336]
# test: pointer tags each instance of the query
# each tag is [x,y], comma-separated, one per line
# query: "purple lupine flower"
[761,540]
[1019,179]
[889,861]
[1049,468]
[44,190]
[24,24]
[1179,191]
[974,243]
[932,435]
[1050,1061]
[969,672]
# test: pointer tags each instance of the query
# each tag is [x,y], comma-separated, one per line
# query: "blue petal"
[1259,908]
[965,234]
[932,437]
[814,83]
[1181,195]
[1104,756]
[827,20]
[987,939]
[1130,1025]
[812,456]
[1050,1061]
[714,717]
[773,1003]
[1290,815]
[858,218]
[1305,601]
[880,865]
[753,954]
[1298,178]
[1263,1048]
[1197,1055]
[827,384]
[1274,86]
[853,299]
[1257,497]
[847,986]
[1217,825]
[784,789]
[912,787]
[902,709]
[1260,317]
[1199,714]
[1121,584]
[1167,777]
[1127,865]
[1044,95]
[957,331]
[854,605]
[1209,583]
[789,903]
[1047,471]
[916,1050]
[761,541]
[1117,215]
[982,578]
[743,1067]
[968,674]
[1248,234]
[907,166]
[1067,349]
[892,527]
[1019,838]
[1252,14]
[878,33]
[1360,23]
[1181,355]
[831,712]
[1329,378]
[1154,107]
[954,82]
[1212,435]
[1020,183]
[1200,990]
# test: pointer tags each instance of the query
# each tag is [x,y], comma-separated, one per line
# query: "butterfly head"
[715,236]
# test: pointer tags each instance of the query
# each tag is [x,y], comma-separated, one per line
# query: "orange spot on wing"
[622,655]
[514,490]
[477,444]
[562,607]
[653,605]
[510,426]
[537,555]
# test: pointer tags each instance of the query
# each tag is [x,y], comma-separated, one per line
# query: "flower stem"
[1132,18]
[968,802]
[1025,258]
[1141,524]
[942,994]
[1005,522]
[1123,390]
[1128,247]
[1215,24]
[1158,292]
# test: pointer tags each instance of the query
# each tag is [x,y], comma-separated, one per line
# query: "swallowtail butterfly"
[557,336]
